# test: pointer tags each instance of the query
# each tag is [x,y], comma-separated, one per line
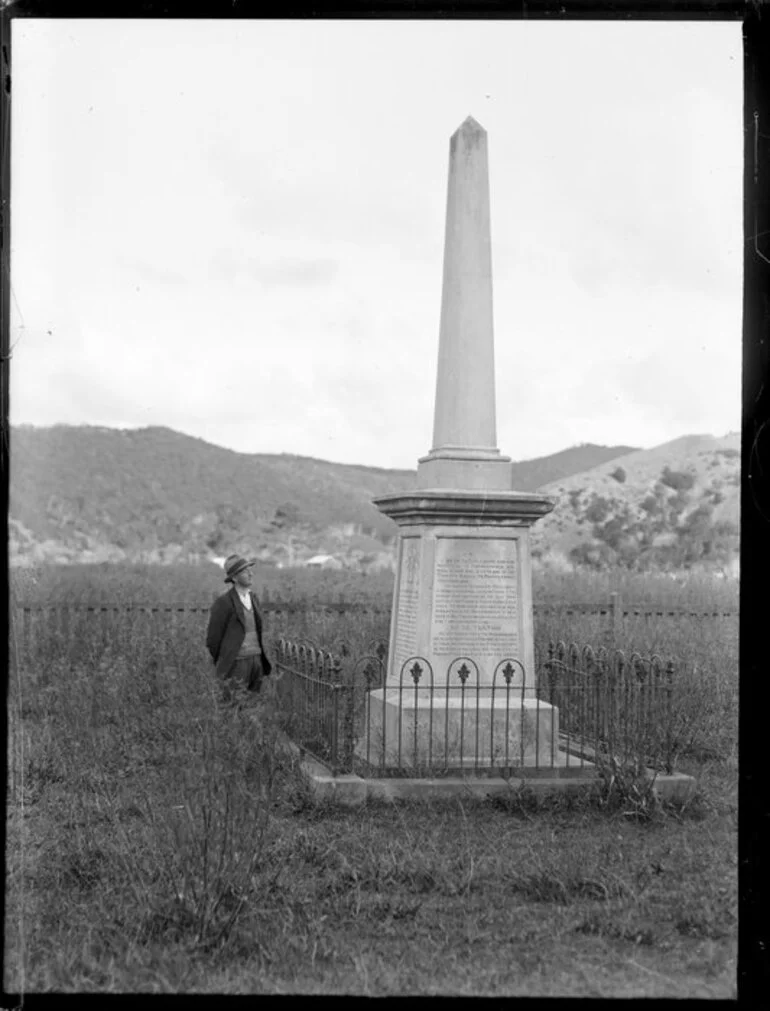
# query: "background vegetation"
[199,584]
[673,508]
[85,492]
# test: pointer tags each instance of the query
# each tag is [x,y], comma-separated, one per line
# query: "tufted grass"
[159,842]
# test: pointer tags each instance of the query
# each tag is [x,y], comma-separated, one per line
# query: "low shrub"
[679,480]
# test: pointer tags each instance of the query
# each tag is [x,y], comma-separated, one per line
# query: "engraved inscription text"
[475,600]
[408,600]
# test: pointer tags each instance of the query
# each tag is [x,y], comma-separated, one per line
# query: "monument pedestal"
[458,729]
[460,682]
[463,586]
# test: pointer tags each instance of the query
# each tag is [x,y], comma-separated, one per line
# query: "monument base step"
[428,729]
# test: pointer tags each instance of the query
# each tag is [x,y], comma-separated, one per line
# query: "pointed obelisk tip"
[469,135]
[469,124]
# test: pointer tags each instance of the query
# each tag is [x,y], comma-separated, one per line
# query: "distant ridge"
[82,493]
[530,475]
[95,493]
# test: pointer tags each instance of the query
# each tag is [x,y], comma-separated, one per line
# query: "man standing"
[234,637]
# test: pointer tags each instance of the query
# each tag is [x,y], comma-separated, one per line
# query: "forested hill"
[88,493]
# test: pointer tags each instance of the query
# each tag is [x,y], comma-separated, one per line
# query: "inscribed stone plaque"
[407,602]
[475,598]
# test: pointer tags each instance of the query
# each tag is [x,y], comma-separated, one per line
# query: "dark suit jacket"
[227,629]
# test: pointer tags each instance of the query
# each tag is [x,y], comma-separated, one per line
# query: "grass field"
[197,584]
[158,842]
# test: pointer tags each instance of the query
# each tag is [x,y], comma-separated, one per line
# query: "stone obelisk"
[462,604]
[465,453]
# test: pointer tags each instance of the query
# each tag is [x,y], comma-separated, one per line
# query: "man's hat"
[235,564]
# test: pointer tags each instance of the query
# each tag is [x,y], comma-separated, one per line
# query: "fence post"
[336,687]
[616,618]
[349,719]
[334,734]
[669,692]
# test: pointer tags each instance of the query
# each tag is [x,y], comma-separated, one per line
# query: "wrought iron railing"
[585,705]
[612,704]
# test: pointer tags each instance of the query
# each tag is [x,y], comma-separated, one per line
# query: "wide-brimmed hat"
[235,564]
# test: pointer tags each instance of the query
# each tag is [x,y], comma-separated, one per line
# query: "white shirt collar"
[245,596]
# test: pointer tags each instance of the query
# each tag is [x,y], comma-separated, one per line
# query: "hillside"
[155,493]
[529,475]
[675,506]
[97,494]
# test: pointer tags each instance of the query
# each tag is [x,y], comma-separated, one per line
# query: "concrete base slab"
[353,791]
[469,786]
[350,790]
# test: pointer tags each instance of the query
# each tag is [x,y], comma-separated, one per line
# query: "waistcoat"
[250,644]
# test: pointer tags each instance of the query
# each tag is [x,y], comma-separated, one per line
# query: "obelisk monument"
[465,453]
[462,604]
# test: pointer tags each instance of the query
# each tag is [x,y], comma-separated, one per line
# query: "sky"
[235,229]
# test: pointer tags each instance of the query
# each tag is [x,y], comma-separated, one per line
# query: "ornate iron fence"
[586,704]
[611,704]
[311,691]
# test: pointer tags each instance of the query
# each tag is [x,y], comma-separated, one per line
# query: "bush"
[650,504]
[628,788]
[679,480]
[593,556]
[619,474]
[598,510]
